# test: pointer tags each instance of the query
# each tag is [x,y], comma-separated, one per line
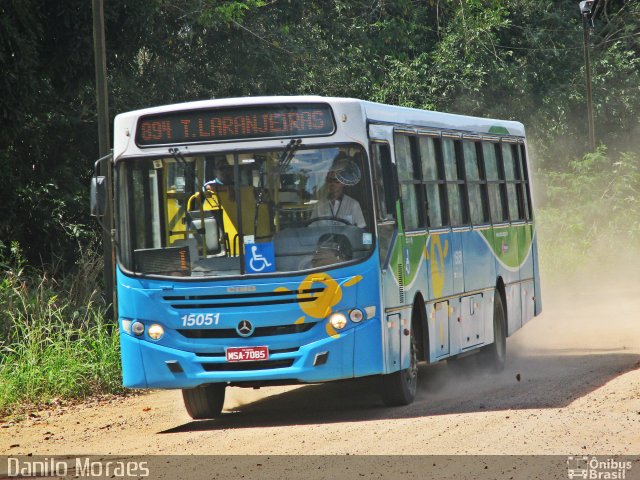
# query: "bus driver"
[343,172]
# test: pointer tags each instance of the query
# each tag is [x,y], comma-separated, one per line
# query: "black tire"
[205,401]
[494,356]
[399,388]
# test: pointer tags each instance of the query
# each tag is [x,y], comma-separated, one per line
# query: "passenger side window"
[524,190]
[409,180]
[494,183]
[476,184]
[512,180]
[433,178]
[455,183]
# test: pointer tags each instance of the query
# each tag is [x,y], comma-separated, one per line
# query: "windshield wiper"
[287,154]
[199,187]
[177,155]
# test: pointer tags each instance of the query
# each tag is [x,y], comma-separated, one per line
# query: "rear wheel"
[494,356]
[205,401]
[399,388]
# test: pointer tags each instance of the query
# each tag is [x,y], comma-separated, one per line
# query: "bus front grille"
[244,366]
[259,331]
[253,299]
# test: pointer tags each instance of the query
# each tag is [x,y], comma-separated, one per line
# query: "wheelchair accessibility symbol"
[260,258]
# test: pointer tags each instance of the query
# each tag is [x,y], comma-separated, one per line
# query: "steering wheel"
[334,219]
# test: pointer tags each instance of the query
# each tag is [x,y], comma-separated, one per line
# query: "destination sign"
[237,123]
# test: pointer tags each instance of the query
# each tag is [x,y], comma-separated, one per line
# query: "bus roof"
[377,112]
[374,112]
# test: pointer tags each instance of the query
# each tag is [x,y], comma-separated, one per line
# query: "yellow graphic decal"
[436,257]
[352,281]
[321,306]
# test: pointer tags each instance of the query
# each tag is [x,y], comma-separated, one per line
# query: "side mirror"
[98,196]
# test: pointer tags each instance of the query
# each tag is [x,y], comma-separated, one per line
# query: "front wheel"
[205,401]
[399,388]
[494,356]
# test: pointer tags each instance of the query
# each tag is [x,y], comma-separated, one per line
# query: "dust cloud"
[594,309]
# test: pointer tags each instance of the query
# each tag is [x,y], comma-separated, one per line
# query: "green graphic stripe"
[511,245]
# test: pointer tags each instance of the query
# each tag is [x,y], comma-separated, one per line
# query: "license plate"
[247,354]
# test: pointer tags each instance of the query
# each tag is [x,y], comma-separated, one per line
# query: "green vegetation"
[515,59]
[512,59]
[591,213]
[54,340]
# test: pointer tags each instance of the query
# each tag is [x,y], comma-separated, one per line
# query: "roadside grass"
[54,340]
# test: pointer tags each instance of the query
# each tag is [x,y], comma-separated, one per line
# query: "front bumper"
[149,365]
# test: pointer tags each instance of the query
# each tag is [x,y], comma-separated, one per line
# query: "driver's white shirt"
[345,208]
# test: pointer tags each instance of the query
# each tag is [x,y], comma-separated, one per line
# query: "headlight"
[356,315]
[338,321]
[155,331]
[137,328]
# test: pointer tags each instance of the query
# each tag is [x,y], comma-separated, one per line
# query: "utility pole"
[102,100]
[587,24]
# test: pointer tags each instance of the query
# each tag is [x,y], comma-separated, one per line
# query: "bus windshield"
[251,212]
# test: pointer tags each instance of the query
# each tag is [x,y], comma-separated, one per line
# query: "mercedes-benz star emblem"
[244,328]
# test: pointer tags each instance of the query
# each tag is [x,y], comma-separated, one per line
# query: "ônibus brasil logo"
[586,467]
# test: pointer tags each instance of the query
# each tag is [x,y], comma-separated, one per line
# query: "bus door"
[413,221]
[392,290]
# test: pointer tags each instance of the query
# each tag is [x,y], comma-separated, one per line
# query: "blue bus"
[289,240]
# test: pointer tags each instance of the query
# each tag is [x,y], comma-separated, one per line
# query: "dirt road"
[572,386]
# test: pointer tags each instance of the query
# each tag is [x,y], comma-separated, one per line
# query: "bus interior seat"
[210,220]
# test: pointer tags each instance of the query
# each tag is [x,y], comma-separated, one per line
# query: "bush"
[590,214]
[54,339]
